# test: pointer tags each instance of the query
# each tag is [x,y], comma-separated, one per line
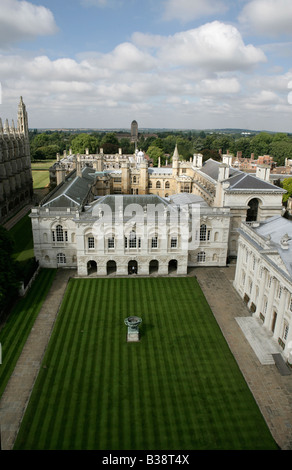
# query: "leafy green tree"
[110,143]
[287,184]
[260,144]
[84,141]
[127,146]
[281,150]
[154,153]
[243,145]
[8,269]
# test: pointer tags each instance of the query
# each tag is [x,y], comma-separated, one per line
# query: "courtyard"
[178,388]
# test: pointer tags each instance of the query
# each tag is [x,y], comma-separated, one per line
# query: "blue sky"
[192,64]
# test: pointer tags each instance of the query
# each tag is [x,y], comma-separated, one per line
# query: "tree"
[154,153]
[110,143]
[260,144]
[281,150]
[84,141]
[287,184]
[8,269]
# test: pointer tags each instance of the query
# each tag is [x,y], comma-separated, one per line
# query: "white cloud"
[271,17]
[220,86]
[188,10]
[127,56]
[22,20]
[214,46]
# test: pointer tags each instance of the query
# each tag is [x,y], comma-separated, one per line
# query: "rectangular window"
[53,236]
[173,242]
[90,243]
[154,242]
[286,329]
[111,243]
[133,240]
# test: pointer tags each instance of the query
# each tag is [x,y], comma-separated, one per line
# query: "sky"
[184,64]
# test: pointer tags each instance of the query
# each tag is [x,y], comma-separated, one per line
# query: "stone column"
[260,303]
[280,313]
[270,303]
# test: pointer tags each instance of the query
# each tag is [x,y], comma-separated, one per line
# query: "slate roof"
[238,179]
[72,192]
[186,198]
[276,227]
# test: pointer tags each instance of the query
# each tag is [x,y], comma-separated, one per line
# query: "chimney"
[223,172]
[263,172]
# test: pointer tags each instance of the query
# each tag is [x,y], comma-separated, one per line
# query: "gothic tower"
[22,122]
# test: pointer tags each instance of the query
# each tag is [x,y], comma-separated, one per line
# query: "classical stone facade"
[264,276]
[16,188]
[127,233]
[216,197]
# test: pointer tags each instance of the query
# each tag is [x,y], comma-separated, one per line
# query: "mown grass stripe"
[159,393]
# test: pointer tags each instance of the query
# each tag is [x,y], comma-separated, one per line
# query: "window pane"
[90,242]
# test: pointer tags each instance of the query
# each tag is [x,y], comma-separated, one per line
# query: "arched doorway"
[153,266]
[252,211]
[91,267]
[133,267]
[172,266]
[111,267]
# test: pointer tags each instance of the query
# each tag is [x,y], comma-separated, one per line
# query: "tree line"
[46,145]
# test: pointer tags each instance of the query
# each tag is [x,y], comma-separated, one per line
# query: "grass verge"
[18,326]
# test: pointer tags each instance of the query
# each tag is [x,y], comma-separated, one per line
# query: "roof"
[159,170]
[73,191]
[275,229]
[186,198]
[211,168]
[237,179]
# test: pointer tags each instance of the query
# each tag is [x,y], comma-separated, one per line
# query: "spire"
[6,127]
[175,154]
[22,121]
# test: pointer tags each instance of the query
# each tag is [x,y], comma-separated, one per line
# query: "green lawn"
[41,179]
[15,332]
[40,173]
[179,388]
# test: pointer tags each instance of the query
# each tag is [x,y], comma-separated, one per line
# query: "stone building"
[16,187]
[134,132]
[216,198]
[263,277]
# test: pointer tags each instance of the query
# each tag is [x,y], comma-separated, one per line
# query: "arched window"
[167,185]
[61,258]
[201,257]
[134,179]
[158,185]
[59,233]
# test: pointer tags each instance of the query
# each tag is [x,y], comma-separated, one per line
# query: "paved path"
[17,217]
[18,390]
[272,391]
